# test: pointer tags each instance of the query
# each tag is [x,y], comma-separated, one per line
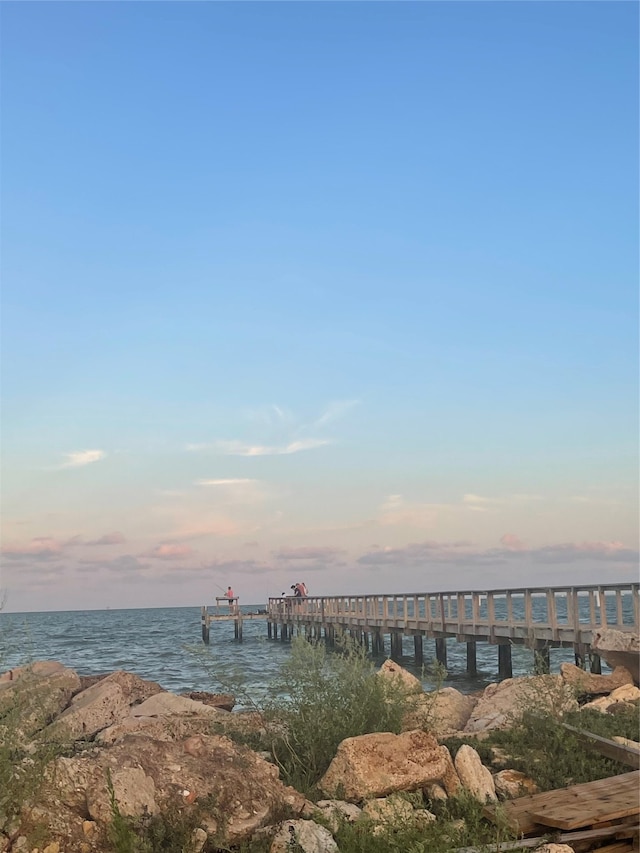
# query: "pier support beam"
[396,645]
[441,651]
[269,630]
[580,654]
[505,669]
[377,642]
[205,626]
[596,664]
[417,648]
[472,664]
[237,629]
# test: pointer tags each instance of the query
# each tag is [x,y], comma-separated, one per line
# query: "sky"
[344,293]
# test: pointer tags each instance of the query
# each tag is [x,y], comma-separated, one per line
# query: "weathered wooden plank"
[609,748]
[618,797]
[620,831]
[577,804]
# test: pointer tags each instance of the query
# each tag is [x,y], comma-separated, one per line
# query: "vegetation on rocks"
[537,732]
[326,698]
[167,777]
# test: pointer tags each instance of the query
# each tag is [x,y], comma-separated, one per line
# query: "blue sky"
[317,291]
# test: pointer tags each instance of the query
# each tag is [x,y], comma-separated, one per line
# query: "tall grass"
[323,698]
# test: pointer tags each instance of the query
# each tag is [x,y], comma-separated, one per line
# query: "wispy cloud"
[126,565]
[239,448]
[227,491]
[325,553]
[479,503]
[229,482]
[293,434]
[396,511]
[334,411]
[511,550]
[238,567]
[80,458]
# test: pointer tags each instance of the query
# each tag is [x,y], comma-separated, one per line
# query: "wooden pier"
[539,618]
[226,610]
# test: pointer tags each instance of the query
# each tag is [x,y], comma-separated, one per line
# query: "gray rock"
[310,837]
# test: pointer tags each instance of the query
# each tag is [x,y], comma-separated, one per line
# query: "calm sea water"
[165,645]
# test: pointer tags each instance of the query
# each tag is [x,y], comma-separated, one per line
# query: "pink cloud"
[512,542]
[40,548]
[170,551]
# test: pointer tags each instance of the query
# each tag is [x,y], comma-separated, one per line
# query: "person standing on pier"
[230,595]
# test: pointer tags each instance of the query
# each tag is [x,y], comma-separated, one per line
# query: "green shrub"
[323,698]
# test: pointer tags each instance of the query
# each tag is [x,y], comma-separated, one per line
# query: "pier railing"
[563,615]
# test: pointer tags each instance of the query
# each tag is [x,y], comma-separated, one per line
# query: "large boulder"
[503,704]
[378,764]
[442,712]
[473,775]
[91,711]
[32,696]
[588,683]
[398,675]
[619,648]
[238,791]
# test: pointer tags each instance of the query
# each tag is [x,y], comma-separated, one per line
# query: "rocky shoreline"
[126,748]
